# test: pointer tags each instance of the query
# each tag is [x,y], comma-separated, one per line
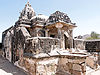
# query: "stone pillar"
[72,37]
[37,30]
[59,33]
[62,40]
[59,37]
[46,32]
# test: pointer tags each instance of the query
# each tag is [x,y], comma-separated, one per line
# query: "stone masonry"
[40,44]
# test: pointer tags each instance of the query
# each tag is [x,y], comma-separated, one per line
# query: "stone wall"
[79,44]
[92,62]
[38,45]
[71,66]
[60,65]
[1,52]
[7,43]
[29,65]
[99,58]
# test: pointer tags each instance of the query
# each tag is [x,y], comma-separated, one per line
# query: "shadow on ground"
[8,67]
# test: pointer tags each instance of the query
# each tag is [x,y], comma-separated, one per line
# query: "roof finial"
[28,4]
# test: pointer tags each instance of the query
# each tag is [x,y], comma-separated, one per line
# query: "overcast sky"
[85,13]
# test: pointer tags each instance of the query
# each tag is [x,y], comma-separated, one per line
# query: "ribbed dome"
[28,12]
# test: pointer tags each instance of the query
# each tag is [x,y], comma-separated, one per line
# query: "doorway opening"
[66,42]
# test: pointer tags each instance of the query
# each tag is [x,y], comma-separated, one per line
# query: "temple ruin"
[43,44]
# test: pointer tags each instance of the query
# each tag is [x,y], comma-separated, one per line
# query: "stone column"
[59,33]
[37,30]
[46,32]
[62,40]
[72,37]
[59,26]
[59,37]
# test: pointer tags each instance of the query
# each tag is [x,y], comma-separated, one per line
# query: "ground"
[92,72]
[7,68]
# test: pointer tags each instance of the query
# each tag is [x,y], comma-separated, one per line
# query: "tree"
[94,35]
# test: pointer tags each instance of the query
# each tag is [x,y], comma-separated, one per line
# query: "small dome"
[39,19]
[40,16]
[58,17]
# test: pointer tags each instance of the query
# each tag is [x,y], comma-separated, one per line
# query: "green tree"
[94,35]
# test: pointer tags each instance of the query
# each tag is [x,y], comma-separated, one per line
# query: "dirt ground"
[92,72]
[7,68]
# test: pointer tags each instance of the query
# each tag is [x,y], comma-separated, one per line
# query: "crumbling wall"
[28,64]
[79,44]
[42,45]
[1,52]
[60,65]
[99,58]
[18,43]
[7,43]
[92,62]
[47,66]
[71,66]
[42,66]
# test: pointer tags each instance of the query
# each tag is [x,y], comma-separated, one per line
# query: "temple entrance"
[66,42]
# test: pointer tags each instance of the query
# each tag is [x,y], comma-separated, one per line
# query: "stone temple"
[42,45]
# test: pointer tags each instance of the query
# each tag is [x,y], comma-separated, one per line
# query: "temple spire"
[28,2]
[28,12]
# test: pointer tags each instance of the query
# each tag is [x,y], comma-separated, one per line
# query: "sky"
[85,13]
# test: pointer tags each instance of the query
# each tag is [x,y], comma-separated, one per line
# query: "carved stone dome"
[58,17]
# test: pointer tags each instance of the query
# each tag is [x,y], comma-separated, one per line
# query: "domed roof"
[58,17]
[28,12]
[40,16]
